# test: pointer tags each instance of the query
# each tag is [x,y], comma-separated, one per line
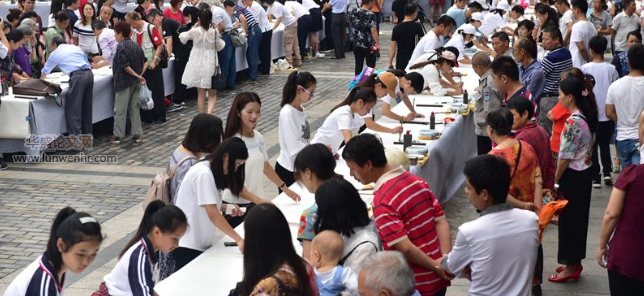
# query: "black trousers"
[182,256]
[78,102]
[154,80]
[265,53]
[602,141]
[327,42]
[483,144]
[285,175]
[362,54]
[621,285]
[576,187]
[303,28]
[180,90]
[339,33]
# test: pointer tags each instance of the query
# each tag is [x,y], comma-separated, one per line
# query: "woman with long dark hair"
[294,129]
[547,17]
[271,265]
[244,114]
[200,199]
[341,209]
[573,175]
[73,243]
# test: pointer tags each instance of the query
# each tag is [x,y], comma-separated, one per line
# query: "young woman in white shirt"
[294,129]
[464,35]
[83,34]
[346,117]
[160,230]
[73,244]
[385,85]
[200,199]
[432,65]
[244,114]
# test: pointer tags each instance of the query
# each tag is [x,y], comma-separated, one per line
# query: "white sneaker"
[320,55]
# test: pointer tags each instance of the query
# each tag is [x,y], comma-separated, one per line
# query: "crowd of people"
[547,108]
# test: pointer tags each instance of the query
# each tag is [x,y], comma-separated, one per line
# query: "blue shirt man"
[67,57]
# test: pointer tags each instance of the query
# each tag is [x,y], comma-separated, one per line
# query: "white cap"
[477,16]
[503,5]
[469,29]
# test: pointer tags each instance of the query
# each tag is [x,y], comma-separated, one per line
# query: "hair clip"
[84,220]
[584,93]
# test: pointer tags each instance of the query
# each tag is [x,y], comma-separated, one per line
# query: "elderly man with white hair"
[386,273]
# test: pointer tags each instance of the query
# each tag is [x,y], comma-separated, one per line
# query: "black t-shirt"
[407,35]
[171,29]
[398,7]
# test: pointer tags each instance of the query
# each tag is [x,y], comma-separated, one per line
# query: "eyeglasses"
[311,93]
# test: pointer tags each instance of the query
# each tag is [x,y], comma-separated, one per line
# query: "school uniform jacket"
[38,279]
[132,275]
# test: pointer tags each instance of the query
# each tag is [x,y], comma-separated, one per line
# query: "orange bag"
[547,212]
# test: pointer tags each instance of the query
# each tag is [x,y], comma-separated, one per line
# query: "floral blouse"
[577,142]
[307,220]
[283,283]
[362,21]
[523,181]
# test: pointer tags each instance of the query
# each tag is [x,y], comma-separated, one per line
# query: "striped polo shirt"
[553,64]
[132,274]
[250,19]
[39,278]
[405,208]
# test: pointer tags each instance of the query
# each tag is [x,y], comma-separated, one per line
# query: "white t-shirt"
[294,135]
[458,42]
[349,278]
[260,15]
[86,37]
[626,95]
[279,11]
[491,22]
[427,43]
[605,74]
[310,4]
[340,119]
[624,24]
[254,168]
[296,8]
[581,31]
[197,190]
[220,15]
[565,19]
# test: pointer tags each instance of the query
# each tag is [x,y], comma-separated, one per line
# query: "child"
[294,129]
[345,117]
[331,278]
[160,230]
[73,244]
[604,74]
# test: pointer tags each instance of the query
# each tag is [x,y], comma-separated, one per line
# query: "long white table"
[218,269]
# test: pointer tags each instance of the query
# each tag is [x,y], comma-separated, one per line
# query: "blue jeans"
[252,51]
[628,152]
[227,61]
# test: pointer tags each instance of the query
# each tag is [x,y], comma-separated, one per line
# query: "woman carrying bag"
[202,70]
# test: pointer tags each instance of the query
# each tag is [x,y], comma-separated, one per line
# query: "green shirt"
[52,32]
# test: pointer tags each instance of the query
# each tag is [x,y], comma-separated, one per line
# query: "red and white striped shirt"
[405,208]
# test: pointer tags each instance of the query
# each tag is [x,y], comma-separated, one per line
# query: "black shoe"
[608,180]
[3,166]
[136,139]
[114,140]
[160,122]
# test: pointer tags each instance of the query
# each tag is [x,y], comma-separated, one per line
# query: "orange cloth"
[523,183]
[560,114]
[547,212]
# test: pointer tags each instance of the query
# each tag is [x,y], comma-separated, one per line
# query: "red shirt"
[179,17]
[404,207]
[625,253]
[538,138]
[560,114]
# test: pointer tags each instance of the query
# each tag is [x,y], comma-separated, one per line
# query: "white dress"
[203,57]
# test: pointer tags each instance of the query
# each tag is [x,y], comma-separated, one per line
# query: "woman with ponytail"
[294,129]
[73,244]
[159,231]
[346,117]
[573,175]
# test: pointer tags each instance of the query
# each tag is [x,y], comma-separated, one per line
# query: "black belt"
[543,95]
[78,71]
[340,13]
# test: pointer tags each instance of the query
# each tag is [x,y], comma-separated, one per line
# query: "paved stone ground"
[31,194]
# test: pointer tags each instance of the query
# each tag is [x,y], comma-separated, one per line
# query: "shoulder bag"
[164,56]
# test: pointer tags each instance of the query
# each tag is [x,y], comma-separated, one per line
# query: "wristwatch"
[557,186]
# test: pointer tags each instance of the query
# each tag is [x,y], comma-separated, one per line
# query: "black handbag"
[218,81]
[164,56]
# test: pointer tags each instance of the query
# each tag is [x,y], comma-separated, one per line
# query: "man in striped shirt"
[253,34]
[408,216]
[553,64]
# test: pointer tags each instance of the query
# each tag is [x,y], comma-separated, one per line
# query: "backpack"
[160,187]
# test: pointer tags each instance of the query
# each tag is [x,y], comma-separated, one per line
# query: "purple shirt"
[21,57]
[107,44]
[625,255]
